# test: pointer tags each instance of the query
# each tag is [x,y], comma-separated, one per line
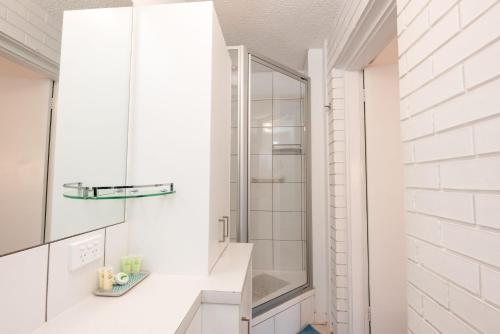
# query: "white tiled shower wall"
[26,23]
[36,284]
[450,121]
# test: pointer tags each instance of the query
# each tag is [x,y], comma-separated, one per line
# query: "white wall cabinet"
[180,132]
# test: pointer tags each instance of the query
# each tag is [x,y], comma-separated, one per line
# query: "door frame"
[20,53]
[253,56]
[375,28]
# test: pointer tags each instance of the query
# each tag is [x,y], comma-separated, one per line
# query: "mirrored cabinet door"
[91,119]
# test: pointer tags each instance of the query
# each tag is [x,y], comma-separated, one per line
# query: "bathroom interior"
[250,166]
[129,181]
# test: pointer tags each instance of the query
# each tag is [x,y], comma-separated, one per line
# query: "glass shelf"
[78,191]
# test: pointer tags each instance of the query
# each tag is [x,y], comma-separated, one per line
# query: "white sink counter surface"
[159,304]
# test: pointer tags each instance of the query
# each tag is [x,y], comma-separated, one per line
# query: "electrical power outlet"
[85,251]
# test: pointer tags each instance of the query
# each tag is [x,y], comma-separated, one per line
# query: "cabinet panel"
[220,145]
[220,319]
[246,302]
[170,138]
[195,326]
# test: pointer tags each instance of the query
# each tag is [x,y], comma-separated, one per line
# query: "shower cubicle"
[270,188]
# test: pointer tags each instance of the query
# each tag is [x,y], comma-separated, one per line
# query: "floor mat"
[265,284]
[309,330]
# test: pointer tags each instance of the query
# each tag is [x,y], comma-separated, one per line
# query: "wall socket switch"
[85,251]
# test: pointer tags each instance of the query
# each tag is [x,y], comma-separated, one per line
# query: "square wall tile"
[234,140]
[261,140]
[304,255]
[261,82]
[262,255]
[261,167]
[287,197]
[288,135]
[235,196]
[234,176]
[66,288]
[287,113]
[116,245]
[287,226]
[234,111]
[234,228]
[288,167]
[285,87]
[261,113]
[23,286]
[288,255]
[304,227]
[260,225]
[261,196]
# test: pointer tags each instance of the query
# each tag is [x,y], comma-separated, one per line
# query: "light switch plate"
[85,251]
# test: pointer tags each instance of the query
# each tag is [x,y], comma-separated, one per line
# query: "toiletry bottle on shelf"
[108,279]
[136,264]
[126,263]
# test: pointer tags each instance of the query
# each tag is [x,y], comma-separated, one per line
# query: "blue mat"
[309,330]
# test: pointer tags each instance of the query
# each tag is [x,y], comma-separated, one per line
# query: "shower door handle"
[226,226]
[222,237]
[268,180]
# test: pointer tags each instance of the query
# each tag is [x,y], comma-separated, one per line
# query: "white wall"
[449,68]
[36,283]
[384,174]
[319,187]
[24,140]
[28,24]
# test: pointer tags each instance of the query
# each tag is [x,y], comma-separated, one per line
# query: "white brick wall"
[343,27]
[25,22]
[450,110]
[337,219]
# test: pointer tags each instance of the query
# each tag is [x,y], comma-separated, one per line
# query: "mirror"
[84,139]
[91,120]
[24,145]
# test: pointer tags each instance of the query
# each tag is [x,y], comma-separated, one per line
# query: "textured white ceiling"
[279,29]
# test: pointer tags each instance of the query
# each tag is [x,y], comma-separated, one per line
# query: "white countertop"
[159,304]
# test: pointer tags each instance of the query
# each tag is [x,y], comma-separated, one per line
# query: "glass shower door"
[277,181]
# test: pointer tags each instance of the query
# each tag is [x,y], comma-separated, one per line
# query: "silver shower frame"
[245,57]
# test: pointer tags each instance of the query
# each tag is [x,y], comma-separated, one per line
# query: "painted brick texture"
[26,23]
[337,202]
[450,121]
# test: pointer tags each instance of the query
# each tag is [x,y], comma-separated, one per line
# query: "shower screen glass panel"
[235,154]
[277,182]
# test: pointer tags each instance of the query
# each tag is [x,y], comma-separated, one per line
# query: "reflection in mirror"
[91,122]
[24,141]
